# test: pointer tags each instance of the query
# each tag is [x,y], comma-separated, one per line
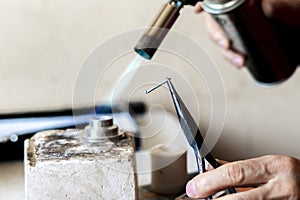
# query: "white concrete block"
[59,165]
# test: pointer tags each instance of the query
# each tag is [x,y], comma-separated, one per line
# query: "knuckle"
[289,164]
[235,174]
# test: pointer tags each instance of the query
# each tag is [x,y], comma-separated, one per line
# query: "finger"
[215,32]
[198,7]
[236,59]
[283,186]
[242,189]
[286,11]
[252,171]
[222,162]
[257,193]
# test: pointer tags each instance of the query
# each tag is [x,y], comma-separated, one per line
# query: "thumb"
[248,172]
[198,7]
[286,11]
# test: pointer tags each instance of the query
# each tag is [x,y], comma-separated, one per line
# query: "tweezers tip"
[157,86]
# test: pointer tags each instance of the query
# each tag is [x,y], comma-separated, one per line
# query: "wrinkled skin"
[272,177]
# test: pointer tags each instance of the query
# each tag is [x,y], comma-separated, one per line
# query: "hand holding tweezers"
[191,132]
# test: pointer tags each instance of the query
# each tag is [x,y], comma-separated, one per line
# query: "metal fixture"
[101,128]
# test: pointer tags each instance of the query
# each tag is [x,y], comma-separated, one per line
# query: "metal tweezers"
[192,133]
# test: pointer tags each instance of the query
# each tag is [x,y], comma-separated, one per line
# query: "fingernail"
[238,61]
[222,44]
[190,189]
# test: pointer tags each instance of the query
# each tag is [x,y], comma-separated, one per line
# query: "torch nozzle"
[153,36]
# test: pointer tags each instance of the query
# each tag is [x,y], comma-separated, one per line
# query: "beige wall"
[44,43]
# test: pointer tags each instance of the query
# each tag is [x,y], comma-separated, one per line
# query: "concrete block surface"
[59,165]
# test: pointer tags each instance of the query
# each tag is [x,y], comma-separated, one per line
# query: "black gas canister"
[263,41]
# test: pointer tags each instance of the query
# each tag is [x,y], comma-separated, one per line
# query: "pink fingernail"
[222,44]
[238,61]
[190,189]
